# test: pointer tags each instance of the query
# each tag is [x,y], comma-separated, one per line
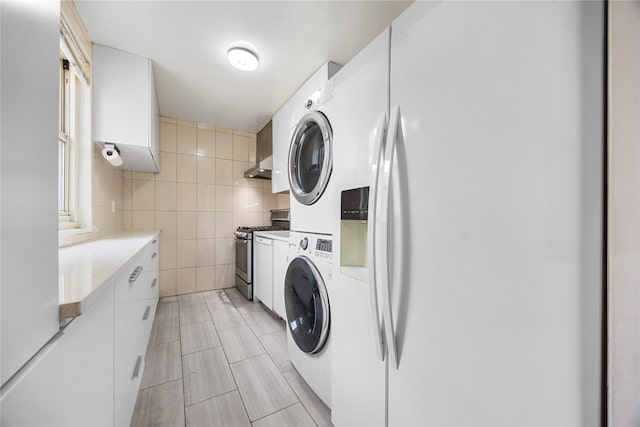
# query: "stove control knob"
[304,243]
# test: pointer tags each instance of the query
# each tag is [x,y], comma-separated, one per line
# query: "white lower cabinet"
[280,265]
[70,382]
[132,328]
[136,299]
[263,270]
[89,374]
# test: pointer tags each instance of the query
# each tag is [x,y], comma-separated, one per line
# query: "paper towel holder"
[111,153]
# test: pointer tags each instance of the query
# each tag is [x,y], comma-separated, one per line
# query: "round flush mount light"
[242,58]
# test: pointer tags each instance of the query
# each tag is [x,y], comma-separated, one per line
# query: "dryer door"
[307,305]
[310,158]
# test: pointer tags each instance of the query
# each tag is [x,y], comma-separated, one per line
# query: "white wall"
[624,214]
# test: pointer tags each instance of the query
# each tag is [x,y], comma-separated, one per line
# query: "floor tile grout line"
[246,411]
[235,390]
[201,351]
[159,384]
[281,409]
[283,377]
[244,405]
[184,406]
[300,399]
[266,352]
[244,315]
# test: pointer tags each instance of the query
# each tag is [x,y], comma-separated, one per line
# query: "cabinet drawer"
[149,257]
[133,323]
[144,286]
[126,385]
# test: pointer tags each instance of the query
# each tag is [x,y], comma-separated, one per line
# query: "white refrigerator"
[487,235]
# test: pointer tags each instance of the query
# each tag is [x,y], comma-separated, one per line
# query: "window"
[67,218]
[74,145]
[63,138]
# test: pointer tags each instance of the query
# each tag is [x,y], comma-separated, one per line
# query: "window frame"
[74,205]
[64,120]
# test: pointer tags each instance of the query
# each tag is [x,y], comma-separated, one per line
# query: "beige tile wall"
[106,187]
[198,199]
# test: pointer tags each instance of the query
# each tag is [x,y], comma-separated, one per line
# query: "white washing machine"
[310,164]
[307,292]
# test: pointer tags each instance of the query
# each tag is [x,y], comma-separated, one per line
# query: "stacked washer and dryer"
[308,280]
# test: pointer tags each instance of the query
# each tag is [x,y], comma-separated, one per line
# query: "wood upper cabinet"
[125,107]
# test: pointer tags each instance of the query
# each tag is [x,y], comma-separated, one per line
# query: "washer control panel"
[324,245]
[319,245]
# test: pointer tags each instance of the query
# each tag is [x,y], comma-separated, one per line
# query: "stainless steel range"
[244,249]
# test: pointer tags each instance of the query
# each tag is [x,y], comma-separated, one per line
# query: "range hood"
[264,157]
[261,170]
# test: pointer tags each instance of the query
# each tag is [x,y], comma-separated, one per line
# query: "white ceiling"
[188,42]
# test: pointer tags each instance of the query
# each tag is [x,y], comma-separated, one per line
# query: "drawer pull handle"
[155,254]
[135,274]
[154,240]
[155,282]
[136,369]
[145,316]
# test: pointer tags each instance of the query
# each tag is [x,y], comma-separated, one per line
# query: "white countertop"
[85,269]
[275,234]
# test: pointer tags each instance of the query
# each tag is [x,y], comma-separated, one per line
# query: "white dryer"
[307,290]
[310,166]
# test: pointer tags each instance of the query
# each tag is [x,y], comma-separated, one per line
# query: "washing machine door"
[310,157]
[307,305]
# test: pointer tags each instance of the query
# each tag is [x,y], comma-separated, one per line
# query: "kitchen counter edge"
[102,259]
[275,235]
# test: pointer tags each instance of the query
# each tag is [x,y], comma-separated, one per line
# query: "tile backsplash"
[107,213]
[198,199]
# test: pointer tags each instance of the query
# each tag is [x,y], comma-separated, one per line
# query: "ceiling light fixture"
[242,58]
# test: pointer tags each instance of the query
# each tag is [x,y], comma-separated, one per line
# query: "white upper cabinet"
[286,119]
[125,108]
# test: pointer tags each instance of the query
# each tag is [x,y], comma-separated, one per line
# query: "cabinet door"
[281,131]
[154,119]
[132,328]
[28,177]
[70,382]
[280,264]
[263,270]
[120,97]
[134,313]
[125,106]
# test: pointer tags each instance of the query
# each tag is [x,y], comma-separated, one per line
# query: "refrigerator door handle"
[383,234]
[373,250]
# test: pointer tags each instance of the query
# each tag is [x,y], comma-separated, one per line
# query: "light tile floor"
[216,359]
